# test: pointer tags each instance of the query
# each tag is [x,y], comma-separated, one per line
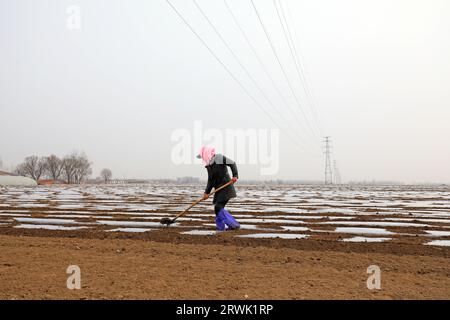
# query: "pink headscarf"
[206,154]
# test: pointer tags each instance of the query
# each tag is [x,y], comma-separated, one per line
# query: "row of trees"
[74,168]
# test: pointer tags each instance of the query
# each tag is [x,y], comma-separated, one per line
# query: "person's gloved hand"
[234,179]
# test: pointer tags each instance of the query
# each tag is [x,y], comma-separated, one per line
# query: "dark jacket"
[218,175]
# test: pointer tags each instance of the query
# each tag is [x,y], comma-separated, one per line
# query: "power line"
[225,67]
[302,67]
[252,79]
[258,58]
[281,67]
[291,45]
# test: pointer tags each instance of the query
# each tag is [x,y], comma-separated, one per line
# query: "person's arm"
[230,163]
[209,185]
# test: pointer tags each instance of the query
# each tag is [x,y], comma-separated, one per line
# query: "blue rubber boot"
[220,224]
[229,220]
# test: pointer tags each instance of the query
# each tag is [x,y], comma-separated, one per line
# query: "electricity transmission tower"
[328,169]
[337,176]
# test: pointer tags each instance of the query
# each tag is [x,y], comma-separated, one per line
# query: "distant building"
[188,180]
[10,179]
[49,182]
[46,182]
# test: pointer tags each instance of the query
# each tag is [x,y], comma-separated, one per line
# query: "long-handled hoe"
[168,221]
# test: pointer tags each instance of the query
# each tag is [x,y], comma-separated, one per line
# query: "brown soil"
[33,266]
[164,264]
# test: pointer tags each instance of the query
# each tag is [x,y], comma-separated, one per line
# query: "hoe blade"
[167,221]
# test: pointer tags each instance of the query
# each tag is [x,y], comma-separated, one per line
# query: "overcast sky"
[118,87]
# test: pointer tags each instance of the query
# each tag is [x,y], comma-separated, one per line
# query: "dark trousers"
[219,205]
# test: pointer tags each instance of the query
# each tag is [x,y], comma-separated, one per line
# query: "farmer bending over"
[216,165]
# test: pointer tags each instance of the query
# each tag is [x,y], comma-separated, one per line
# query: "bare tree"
[33,167]
[74,168]
[106,175]
[20,170]
[82,168]
[53,166]
[68,166]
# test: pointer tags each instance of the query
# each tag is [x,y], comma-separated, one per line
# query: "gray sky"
[118,87]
